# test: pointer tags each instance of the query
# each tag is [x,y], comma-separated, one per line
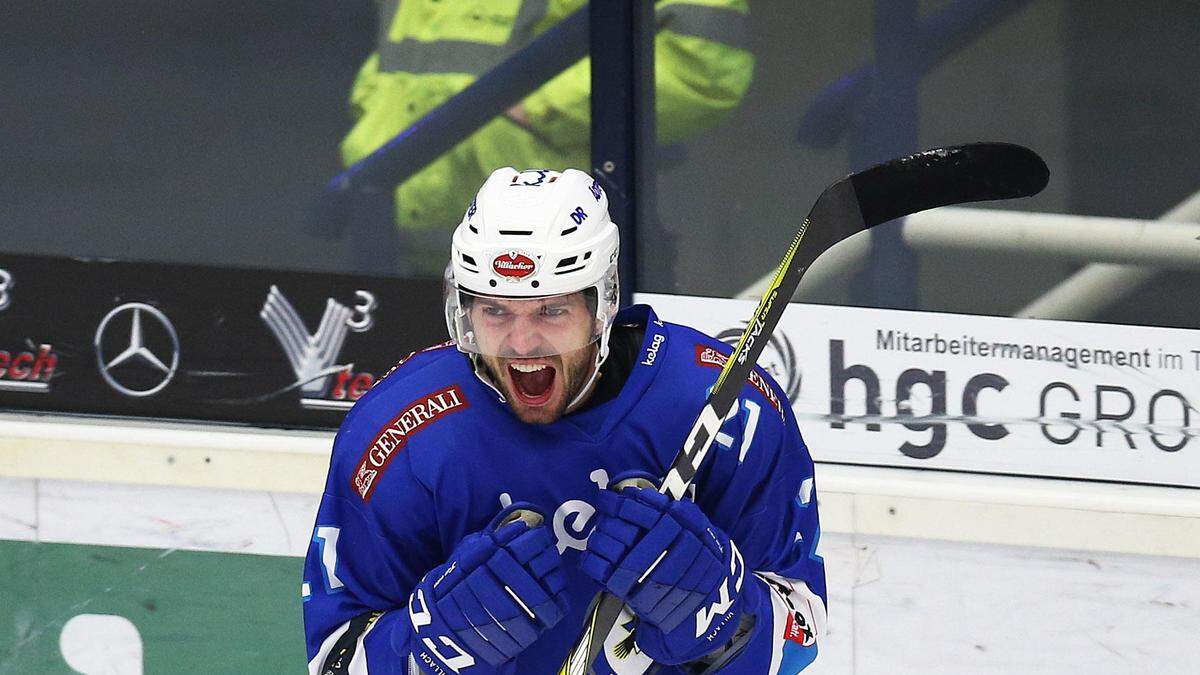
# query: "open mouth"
[533,383]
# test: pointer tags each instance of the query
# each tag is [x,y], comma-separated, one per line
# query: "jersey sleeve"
[769,507]
[363,562]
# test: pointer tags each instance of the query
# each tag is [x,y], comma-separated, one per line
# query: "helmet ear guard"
[608,296]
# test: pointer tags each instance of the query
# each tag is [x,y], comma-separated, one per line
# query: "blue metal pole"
[623,134]
[886,127]
[938,37]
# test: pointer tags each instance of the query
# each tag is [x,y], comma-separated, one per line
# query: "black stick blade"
[942,176]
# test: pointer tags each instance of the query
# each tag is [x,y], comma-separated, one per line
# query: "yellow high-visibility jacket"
[429,50]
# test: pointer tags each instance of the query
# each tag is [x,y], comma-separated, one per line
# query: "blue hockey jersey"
[432,454]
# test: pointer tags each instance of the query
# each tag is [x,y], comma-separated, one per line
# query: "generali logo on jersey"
[513,265]
[395,434]
[707,356]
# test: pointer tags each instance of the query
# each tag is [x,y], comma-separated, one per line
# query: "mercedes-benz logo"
[137,370]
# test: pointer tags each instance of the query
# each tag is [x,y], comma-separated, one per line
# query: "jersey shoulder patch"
[708,353]
[392,437]
[421,390]
[418,358]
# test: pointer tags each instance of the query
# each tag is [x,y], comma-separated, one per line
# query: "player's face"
[539,351]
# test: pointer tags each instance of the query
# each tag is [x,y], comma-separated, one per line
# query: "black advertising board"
[270,348]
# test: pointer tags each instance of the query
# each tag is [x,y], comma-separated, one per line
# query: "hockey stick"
[938,177]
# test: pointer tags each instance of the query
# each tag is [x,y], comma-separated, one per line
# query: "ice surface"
[922,606]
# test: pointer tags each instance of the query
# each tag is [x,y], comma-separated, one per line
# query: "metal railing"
[357,201]
[1139,247]
[1104,283]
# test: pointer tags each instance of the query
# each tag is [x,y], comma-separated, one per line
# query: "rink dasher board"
[901,498]
[178,514]
[998,395]
[944,411]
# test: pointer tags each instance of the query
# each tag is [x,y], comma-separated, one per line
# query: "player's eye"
[492,310]
[554,311]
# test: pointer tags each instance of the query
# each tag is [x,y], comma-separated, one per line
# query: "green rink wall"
[196,612]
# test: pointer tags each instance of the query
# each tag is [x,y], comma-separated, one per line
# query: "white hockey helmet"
[536,235]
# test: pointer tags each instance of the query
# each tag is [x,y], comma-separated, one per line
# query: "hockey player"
[425,556]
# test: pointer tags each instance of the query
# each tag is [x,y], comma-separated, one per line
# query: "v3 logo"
[312,356]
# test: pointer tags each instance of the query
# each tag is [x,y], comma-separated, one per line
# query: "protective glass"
[523,327]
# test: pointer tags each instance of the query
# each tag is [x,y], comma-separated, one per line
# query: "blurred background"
[209,181]
[203,132]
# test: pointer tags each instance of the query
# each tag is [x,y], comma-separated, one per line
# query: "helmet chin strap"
[586,390]
[481,373]
[587,387]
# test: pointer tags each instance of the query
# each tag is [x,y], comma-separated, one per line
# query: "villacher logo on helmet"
[514,265]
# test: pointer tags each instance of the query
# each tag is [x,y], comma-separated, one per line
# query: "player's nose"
[524,339]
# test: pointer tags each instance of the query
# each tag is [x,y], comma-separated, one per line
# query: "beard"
[571,373]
